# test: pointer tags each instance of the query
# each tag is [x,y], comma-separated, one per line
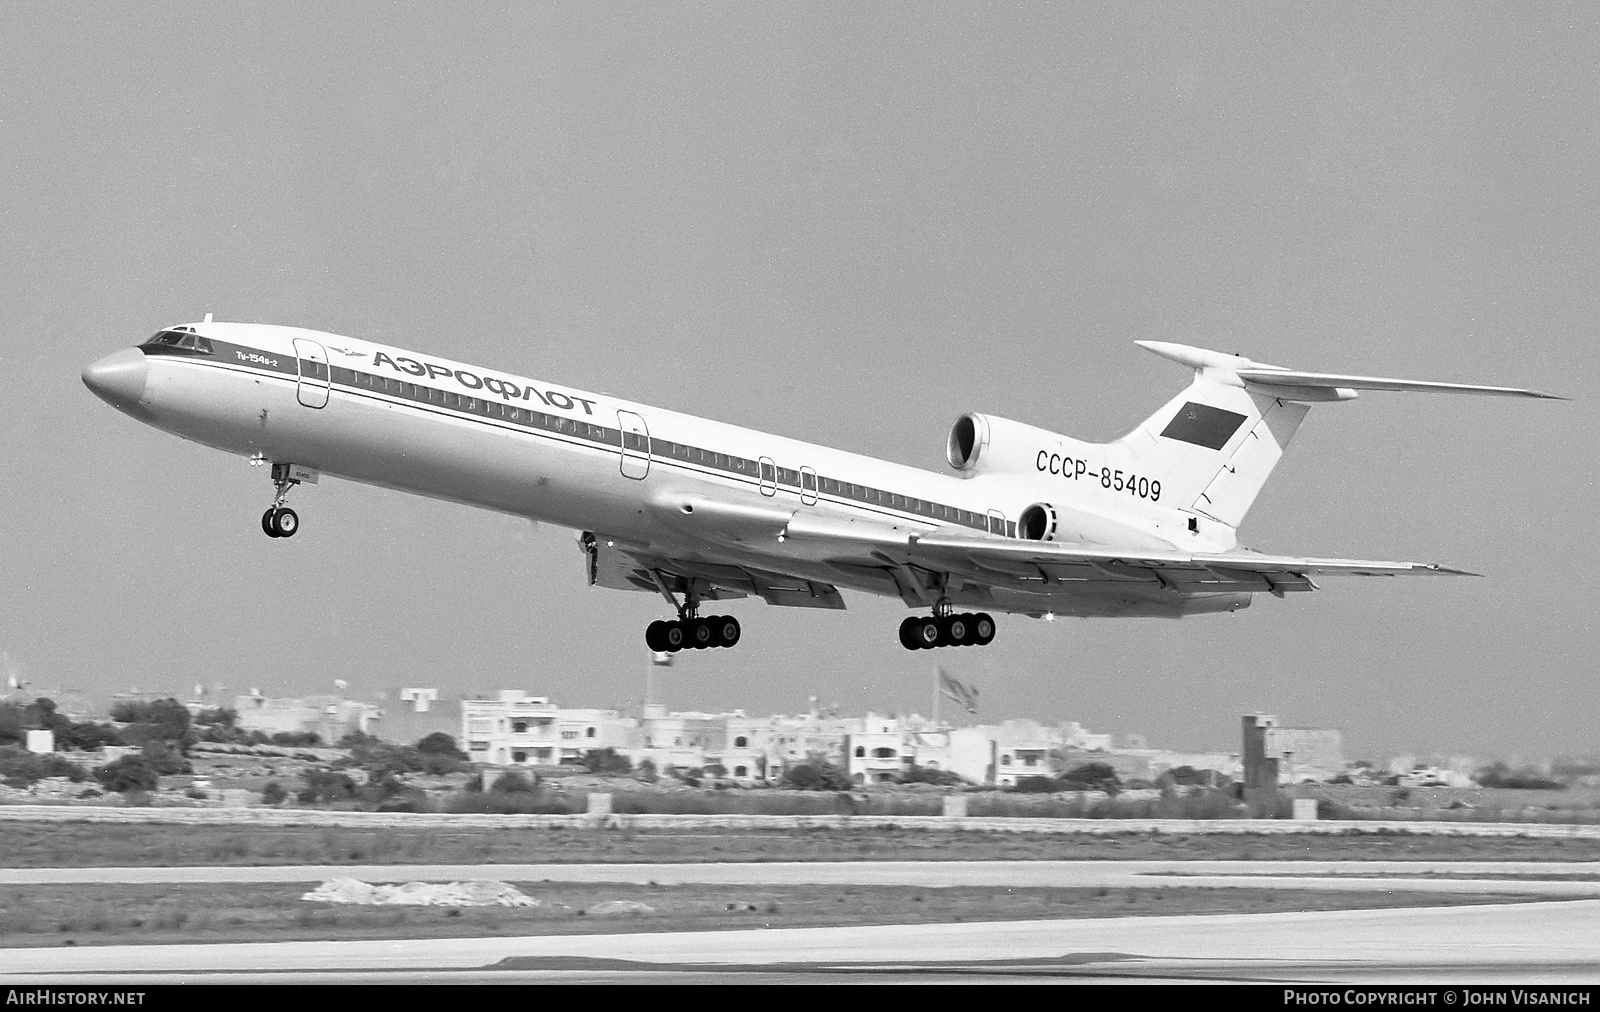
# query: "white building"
[875,749]
[514,728]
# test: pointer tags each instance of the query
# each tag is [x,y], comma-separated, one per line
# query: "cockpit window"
[179,339]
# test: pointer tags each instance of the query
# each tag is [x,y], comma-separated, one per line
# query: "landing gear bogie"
[692,634]
[953,630]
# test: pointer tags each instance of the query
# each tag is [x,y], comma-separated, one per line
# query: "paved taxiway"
[1551,942]
[1523,878]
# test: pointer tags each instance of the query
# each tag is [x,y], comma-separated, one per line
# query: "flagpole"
[937,690]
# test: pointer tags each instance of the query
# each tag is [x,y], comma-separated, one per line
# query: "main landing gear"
[279,521]
[690,631]
[946,629]
[692,634]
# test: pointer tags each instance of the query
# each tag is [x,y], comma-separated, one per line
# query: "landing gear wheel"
[266,524]
[983,628]
[700,634]
[672,637]
[926,633]
[285,522]
[953,631]
[727,630]
[908,633]
[655,636]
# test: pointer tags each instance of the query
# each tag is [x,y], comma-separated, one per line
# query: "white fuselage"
[430,426]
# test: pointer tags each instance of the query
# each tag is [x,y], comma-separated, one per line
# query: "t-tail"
[1216,443]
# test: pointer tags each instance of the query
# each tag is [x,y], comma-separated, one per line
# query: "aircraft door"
[635,445]
[313,381]
[768,470]
[808,486]
[997,523]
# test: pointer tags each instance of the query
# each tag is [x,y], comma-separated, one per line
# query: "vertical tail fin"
[1216,443]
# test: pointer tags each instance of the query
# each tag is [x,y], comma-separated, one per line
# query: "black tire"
[908,633]
[700,634]
[673,637]
[927,633]
[285,522]
[954,630]
[727,629]
[266,524]
[983,626]
[655,636]
[971,638]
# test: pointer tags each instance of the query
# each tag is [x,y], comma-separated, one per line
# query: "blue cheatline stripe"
[694,458]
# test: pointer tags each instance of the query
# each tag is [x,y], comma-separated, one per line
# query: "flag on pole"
[661,659]
[340,684]
[956,691]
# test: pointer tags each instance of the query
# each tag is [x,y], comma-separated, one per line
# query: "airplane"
[1027,522]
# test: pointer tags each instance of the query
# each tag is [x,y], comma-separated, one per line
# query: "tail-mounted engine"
[985,444]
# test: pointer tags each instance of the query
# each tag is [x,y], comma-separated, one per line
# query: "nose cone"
[118,379]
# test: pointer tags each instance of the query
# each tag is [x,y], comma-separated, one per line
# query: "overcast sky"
[848,224]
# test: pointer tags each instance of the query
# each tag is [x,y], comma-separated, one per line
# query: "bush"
[131,773]
[22,767]
[928,775]
[165,759]
[1091,777]
[816,776]
[513,782]
[326,785]
[532,802]
[646,771]
[1499,774]
[273,793]
[222,716]
[605,762]
[1041,785]
[293,739]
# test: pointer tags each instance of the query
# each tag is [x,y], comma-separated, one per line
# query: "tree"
[130,773]
[222,716]
[440,743]
[273,793]
[605,762]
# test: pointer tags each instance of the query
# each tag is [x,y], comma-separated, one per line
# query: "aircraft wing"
[999,560]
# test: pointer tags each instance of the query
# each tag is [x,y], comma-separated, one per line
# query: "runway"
[1523,878]
[1551,942]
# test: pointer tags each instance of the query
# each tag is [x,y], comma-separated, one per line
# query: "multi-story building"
[514,728]
[875,749]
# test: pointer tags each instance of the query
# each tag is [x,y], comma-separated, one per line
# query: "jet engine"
[985,444]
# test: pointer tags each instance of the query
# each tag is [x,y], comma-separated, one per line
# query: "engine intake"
[1037,523]
[985,444]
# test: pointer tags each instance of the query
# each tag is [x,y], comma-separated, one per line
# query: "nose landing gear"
[279,521]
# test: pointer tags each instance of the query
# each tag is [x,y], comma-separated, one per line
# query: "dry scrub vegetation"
[40,845]
[105,915]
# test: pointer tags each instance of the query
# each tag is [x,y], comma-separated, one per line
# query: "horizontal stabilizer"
[1337,381]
